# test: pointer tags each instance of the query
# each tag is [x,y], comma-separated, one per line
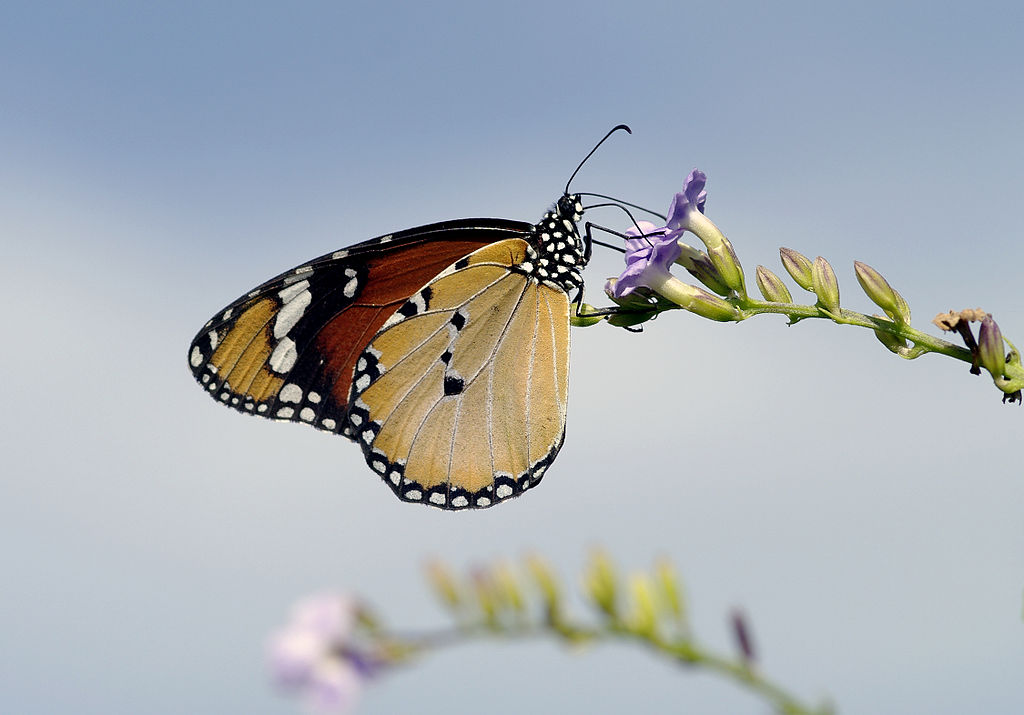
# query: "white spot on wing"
[437,498]
[292,310]
[314,397]
[329,423]
[196,359]
[338,255]
[285,412]
[503,491]
[212,335]
[290,393]
[307,414]
[283,357]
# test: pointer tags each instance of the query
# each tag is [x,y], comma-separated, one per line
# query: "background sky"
[159,159]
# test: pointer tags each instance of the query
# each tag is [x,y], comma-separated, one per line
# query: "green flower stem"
[923,342]
[682,650]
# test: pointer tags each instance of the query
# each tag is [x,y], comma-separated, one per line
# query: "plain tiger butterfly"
[442,350]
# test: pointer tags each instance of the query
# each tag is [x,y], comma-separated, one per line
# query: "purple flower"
[691,198]
[309,654]
[648,258]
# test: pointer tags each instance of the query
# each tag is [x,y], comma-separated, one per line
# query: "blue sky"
[161,159]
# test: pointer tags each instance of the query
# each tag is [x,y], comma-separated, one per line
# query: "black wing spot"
[458,320]
[453,385]
[446,357]
[461,263]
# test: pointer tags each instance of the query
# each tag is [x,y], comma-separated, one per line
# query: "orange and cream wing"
[460,400]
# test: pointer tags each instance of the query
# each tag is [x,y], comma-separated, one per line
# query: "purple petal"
[692,196]
[330,614]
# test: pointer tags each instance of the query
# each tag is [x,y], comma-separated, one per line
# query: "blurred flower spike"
[313,656]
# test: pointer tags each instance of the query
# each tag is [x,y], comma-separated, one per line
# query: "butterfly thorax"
[557,253]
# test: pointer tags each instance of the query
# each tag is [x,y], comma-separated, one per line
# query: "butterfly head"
[570,207]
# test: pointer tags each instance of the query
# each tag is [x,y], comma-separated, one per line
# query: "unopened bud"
[826,287]
[878,290]
[580,319]
[724,257]
[772,287]
[601,583]
[991,353]
[697,263]
[799,267]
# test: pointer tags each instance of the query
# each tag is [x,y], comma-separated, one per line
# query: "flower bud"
[642,618]
[711,306]
[772,287]
[725,260]
[878,290]
[671,590]
[892,342]
[991,353]
[579,318]
[902,307]
[601,583]
[798,266]
[441,578]
[826,287]
[545,579]
[697,263]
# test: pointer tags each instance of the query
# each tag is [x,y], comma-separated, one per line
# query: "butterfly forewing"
[287,349]
[460,400]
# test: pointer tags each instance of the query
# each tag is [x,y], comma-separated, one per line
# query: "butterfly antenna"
[663,217]
[596,146]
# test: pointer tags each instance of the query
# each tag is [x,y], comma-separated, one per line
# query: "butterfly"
[442,350]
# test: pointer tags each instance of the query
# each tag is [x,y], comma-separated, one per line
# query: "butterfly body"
[442,350]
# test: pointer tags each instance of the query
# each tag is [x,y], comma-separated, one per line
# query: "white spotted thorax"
[557,254]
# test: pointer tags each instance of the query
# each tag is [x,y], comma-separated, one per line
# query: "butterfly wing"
[287,349]
[460,400]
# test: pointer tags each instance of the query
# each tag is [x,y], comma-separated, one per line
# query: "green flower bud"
[902,308]
[444,583]
[724,258]
[772,287]
[826,287]
[991,353]
[892,342]
[799,267]
[671,589]
[642,618]
[697,263]
[584,320]
[601,583]
[545,579]
[878,290]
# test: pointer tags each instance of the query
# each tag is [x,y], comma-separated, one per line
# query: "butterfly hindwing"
[287,349]
[460,400]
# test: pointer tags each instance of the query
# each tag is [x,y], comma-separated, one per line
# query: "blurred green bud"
[579,318]
[671,589]
[700,267]
[546,581]
[601,582]
[507,588]
[991,353]
[486,598]
[826,287]
[772,287]
[642,618]
[444,584]
[799,267]
[878,290]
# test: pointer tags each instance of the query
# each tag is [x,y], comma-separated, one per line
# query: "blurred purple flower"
[308,654]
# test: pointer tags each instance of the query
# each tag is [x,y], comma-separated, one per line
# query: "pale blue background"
[159,159]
